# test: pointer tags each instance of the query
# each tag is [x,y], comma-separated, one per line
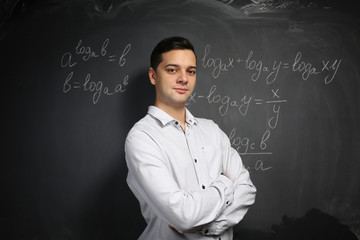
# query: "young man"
[190,182]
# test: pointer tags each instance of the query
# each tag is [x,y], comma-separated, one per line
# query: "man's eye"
[171,70]
[192,72]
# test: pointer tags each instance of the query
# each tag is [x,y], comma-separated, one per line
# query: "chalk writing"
[95,87]
[247,147]
[334,68]
[260,166]
[269,74]
[217,65]
[259,67]
[241,104]
[307,69]
[85,53]
[225,102]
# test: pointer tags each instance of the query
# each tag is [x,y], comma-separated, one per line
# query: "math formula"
[82,54]
[266,73]
[80,76]
[326,69]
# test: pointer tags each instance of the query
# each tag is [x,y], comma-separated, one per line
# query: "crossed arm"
[244,196]
[213,210]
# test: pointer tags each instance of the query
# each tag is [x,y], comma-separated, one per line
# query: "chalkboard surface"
[284,85]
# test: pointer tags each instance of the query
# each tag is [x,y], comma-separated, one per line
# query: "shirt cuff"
[215,228]
[225,185]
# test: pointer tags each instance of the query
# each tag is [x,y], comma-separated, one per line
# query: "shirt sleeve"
[244,191]
[150,179]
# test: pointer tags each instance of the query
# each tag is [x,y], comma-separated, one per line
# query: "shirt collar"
[165,118]
[190,119]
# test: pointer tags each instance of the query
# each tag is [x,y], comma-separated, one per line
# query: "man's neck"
[178,113]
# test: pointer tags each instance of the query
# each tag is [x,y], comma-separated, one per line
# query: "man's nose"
[183,77]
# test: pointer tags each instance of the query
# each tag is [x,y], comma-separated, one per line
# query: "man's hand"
[172,228]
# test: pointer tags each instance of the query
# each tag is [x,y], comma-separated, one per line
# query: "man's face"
[174,78]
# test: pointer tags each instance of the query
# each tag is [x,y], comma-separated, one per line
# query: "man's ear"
[152,76]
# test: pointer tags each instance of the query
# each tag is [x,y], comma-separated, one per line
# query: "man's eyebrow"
[171,65]
[175,65]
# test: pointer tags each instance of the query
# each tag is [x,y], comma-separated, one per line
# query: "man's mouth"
[181,90]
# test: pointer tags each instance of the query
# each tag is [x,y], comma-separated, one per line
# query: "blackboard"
[283,84]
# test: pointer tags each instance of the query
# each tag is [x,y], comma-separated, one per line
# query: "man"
[189,181]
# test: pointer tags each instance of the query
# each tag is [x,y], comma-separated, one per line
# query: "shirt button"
[195,160]
[203,187]
[206,231]
[176,123]
[227,202]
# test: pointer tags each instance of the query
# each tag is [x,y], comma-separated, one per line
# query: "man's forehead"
[179,57]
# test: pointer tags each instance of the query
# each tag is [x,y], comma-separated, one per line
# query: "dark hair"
[167,45]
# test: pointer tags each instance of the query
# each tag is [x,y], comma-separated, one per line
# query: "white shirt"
[177,178]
